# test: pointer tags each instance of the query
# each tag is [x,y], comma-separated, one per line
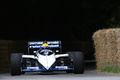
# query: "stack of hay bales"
[107,47]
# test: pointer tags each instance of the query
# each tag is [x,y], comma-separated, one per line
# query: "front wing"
[56,68]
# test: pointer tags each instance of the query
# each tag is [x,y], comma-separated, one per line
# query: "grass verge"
[111,69]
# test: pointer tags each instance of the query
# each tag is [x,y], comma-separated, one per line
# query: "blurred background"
[71,21]
[57,20]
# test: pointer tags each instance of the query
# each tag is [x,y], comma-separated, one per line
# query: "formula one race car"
[47,57]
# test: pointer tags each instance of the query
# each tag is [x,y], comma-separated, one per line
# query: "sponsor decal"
[32,43]
[52,46]
[53,42]
[41,42]
[65,67]
[35,46]
[33,68]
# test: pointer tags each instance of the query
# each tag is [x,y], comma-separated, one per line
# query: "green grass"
[110,69]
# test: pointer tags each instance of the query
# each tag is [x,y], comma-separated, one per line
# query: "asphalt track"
[89,74]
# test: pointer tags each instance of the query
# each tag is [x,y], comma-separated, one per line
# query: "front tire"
[15,63]
[78,62]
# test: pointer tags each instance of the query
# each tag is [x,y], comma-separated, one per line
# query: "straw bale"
[99,44]
[118,46]
[107,47]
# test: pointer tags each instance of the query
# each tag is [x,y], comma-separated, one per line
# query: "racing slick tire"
[15,63]
[78,62]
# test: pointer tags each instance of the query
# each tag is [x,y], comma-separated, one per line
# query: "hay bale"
[99,43]
[118,47]
[107,47]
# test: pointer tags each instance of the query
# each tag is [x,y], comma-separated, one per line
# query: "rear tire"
[15,63]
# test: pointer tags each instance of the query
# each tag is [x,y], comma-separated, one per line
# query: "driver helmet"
[45,45]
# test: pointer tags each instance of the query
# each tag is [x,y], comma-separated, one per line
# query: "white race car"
[46,59]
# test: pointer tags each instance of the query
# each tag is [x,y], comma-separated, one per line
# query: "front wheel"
[15,63]
[78,62]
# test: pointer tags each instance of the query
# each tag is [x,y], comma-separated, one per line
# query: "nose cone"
[46,61]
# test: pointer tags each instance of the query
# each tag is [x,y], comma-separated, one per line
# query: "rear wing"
[36,45]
